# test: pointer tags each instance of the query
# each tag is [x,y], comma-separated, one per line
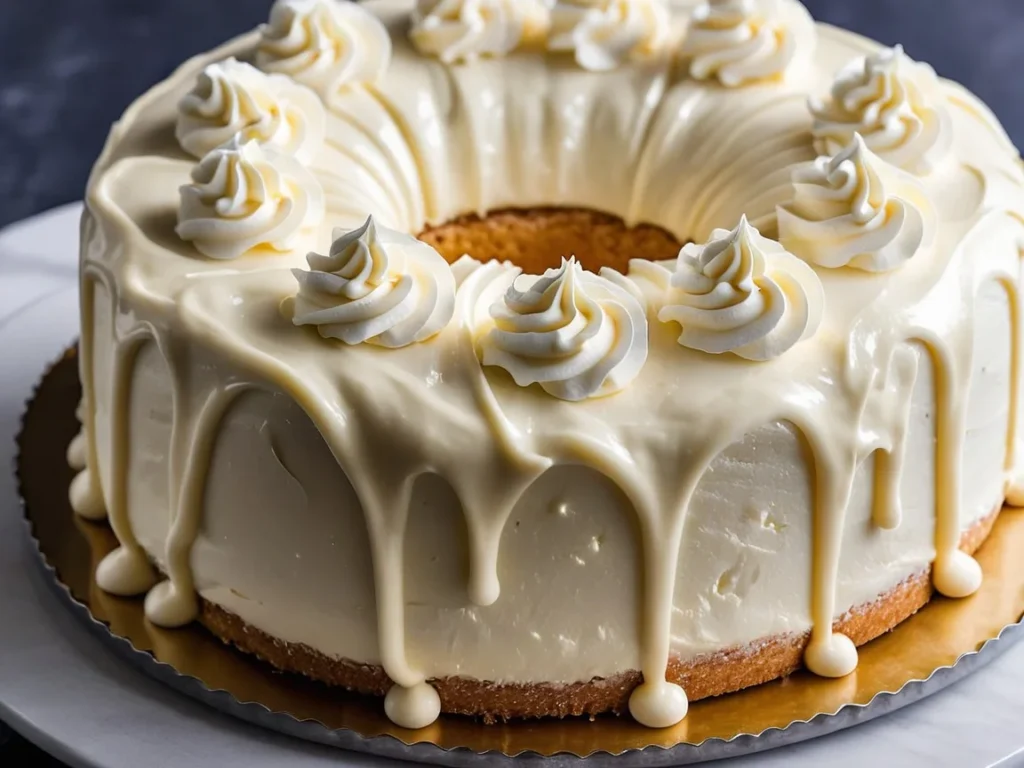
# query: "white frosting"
[234,100]
[376,286]
[894,103]
[243,198]
[743,293]
[744,41]
[856,210]
[325,44]
[576,334]
[606,537]
[415,707]
[605,34]
[464,30]
[86,499]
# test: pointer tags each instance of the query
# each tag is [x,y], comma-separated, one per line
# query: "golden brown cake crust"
[701,677]
[538,238]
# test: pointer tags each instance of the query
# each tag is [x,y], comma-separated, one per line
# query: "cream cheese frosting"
[377,286]
[234,100]
[743,293]
[575,333]
[856,210]
[894,103]
[243,198]
[463,30]
[324,44]
[745,41]
[604,34]
[464,526]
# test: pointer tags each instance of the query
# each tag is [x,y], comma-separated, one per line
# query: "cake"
[529,358]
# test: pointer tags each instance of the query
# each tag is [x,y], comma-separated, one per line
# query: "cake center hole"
[537,239]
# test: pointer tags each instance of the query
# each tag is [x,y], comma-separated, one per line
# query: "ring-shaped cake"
[541,482]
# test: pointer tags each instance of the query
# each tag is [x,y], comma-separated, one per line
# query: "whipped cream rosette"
[745,41]
[894,103]
[324,44]
[604,34]
[464,30]
[234,100]
[244,197]
[856,210]
[575,333]
[743,293]
[376,286]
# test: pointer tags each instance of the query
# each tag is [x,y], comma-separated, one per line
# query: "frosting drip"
[234,100]
[576,334]
[324,44]
[464,30]
[604,34]
[743,293]
[856,210]
[894,103]
[243,198]
[744,41]
[376,285]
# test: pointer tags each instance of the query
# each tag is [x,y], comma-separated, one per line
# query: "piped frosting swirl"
[745,41]
[856,210]
[376,286]
[576,334]
[892,101]
[324,44]
[464,30]
[604,34]
[243,197]
[743,293]
[234,100]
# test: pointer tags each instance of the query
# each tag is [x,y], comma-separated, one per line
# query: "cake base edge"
[701,677]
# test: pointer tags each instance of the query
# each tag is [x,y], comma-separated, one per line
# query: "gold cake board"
[943,642]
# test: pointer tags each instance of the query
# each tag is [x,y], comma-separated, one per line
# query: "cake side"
[281,515]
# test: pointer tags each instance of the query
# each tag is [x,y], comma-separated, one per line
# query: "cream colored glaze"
[593,541]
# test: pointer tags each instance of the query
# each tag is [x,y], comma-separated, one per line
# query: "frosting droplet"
[86,499]
[413,708]
[77,451]
[658,704]
[125,572]
[956,575]
[1015,492]
[168,606]
[832,656]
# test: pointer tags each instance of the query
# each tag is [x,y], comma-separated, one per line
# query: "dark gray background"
[69,67]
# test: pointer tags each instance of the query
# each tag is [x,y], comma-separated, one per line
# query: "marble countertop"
[68,68]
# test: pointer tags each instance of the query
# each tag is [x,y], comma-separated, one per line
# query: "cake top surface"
[402,114]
